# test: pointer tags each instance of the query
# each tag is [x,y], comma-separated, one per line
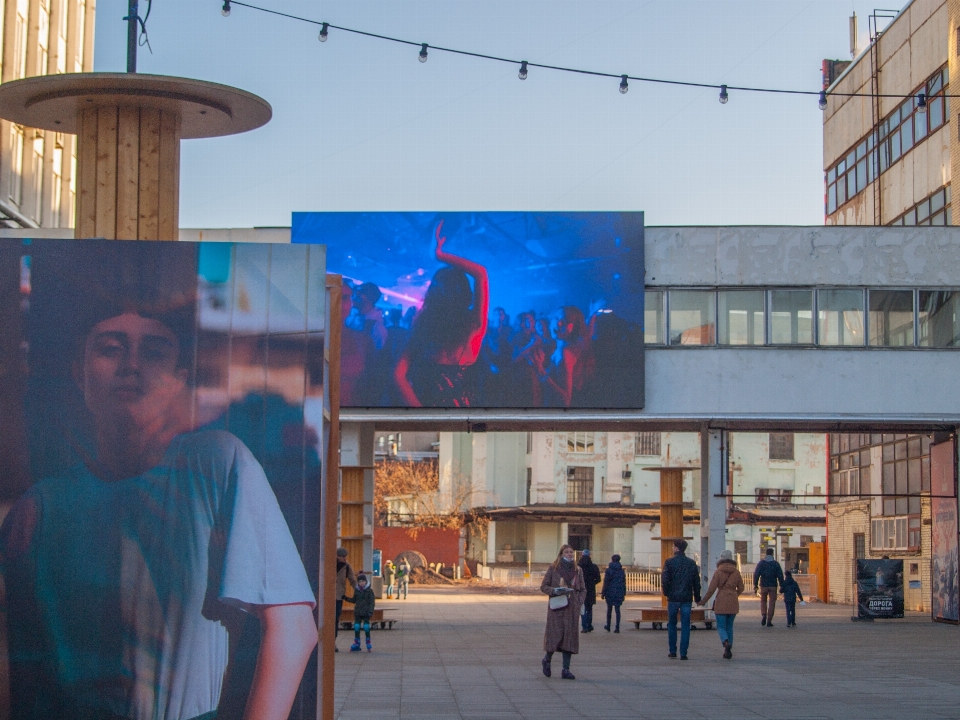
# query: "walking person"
[614,590]
[791,591]
[391,577]
[727,583]
[345,575]
[364,603]
[681,585]
[403,578]
[563,582]
[768,580]
[591,576]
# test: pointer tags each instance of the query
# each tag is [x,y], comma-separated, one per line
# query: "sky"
[360,124]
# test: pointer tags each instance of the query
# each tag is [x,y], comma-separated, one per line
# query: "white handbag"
[559,601]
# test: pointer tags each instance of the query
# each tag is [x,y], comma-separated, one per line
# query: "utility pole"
[132,21]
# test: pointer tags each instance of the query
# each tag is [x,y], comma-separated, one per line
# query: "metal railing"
[645,581]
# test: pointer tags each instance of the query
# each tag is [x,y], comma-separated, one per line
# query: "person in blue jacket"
[614,590]
[791,591]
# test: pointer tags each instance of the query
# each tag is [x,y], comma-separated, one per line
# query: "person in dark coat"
[591,576]
[791,591]
[364,603]
[614,590]
[681,584]
[563,578]
[768,579]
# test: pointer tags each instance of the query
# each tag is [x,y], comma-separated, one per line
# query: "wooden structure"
[378,618]
[658,616]
[129,129]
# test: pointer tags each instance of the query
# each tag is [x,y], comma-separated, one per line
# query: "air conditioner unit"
[626,474]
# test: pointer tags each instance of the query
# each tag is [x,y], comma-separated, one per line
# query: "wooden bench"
[385,623]
[657,617]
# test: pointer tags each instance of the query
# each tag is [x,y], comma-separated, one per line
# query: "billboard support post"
[671,511]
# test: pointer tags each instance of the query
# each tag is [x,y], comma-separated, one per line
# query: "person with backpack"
[614,590]
[727,583]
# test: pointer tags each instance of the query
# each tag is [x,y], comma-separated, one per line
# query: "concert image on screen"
[487,310]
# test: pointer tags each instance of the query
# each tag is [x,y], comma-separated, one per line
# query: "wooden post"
[671,513]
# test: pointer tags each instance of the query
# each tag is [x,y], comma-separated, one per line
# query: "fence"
[645,581]
[807,583]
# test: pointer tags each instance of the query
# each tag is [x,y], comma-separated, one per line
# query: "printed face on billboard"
[159,473]
[487,310]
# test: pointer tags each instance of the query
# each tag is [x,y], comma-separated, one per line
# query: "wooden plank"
[85,220]
[148,203]
[128,172]
[169,177]
[106,173]
[351,484]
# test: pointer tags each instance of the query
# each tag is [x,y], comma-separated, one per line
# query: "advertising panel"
[880,588]
[159,477]
[945,593]
[490,310]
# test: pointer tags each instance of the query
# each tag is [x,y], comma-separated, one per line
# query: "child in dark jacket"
[614,590]
[364,601]
[791,591]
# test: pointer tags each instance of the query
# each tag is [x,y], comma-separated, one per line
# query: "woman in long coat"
[728,584]
[563,578]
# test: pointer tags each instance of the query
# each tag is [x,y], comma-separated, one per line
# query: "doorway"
[580,537]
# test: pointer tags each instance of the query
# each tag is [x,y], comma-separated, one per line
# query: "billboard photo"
[487,310]
[161,408]
[879,588]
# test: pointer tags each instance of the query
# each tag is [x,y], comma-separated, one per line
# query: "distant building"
[889,160]
[37,167]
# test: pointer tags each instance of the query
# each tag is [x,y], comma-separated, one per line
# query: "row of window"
[828,317]
[897,134]
[647,444]
[933,210]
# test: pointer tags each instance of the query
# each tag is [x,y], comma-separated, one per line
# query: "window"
[805,540]
[647,444]
[891,318]
[781,446]
[57,189]
[740,317]
[580,442]
[791,317]
[653,317]
[529,484]
[36,173]
[840,316]
[529,442]
[895,533]
[772,496]
[16,164]
[579,486]
[932,210]
[740,550]
[859,546]
[896,135]
[939,319]
[692,317]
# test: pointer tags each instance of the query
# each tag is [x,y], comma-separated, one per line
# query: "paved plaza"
[465,654]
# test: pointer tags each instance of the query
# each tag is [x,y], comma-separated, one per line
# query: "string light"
[225,11]
[724,97]
[921,102]
[523,70]
[822,94]
[322,37]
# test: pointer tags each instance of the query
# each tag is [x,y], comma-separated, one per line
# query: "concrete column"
[492,542]
[714,471]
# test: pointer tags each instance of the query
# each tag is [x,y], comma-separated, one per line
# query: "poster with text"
[880,588]
[159,474]
[945,592]
[487,310]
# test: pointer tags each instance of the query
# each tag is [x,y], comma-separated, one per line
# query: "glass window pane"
[861,174]
[913,476]
[894,147]
[923,211]
[936,202]
[791,317]
[692,320]
[861,149]
[741,317]
[939,318]
[831,199]
[935,111]
[840,316]
[891,318]
[887,479]
[919,126]
[939,219]
[906,136]
[831,175]
[910,218]
[851,158]
[653,317]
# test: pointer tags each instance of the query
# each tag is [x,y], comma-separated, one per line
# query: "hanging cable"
[821,94]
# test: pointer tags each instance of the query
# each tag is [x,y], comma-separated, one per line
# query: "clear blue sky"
[359,124]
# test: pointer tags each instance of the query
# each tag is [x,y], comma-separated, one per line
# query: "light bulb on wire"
[423,52]
[225,11]
[724,97]
[523,70]
[823,100]
[623,85]
[921,102]
[322,37]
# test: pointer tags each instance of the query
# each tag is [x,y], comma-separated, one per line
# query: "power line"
[524,65]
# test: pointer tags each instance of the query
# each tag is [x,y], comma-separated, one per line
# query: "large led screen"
[488,310]
[160,465]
